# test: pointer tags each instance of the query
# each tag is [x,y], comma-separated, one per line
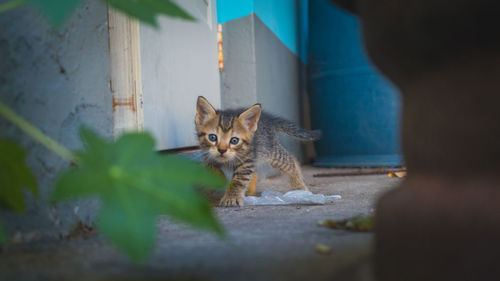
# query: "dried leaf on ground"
[81,230]
[401,174]
[323,249]
[361,224]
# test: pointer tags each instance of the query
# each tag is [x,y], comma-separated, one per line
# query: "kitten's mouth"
[223,158]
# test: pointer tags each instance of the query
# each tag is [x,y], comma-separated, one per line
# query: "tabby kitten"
[239,139]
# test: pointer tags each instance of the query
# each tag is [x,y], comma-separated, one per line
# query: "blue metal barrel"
[357,109]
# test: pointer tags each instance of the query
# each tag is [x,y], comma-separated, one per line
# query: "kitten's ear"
[204,111]
[250,117]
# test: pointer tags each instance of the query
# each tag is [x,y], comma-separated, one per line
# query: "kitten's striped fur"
[256,132]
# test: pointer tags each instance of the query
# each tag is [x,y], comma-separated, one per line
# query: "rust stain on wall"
[129,102]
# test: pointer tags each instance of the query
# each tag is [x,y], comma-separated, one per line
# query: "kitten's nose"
[221,151]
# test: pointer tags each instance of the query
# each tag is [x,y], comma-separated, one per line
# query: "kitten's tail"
[293,130]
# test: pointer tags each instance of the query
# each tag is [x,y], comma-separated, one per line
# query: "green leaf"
[182,169]
[148,10]
[56,10]
[3,235]
[14,176]
[136,184]
[129,224]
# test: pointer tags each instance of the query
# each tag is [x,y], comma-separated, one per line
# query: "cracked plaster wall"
[57,80]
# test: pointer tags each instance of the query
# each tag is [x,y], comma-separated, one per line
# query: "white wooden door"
[179,63]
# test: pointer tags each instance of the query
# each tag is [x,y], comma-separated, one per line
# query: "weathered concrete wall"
[57,80]
[285,18]
[179,63]
[259,68]
[277,79]
[239,77]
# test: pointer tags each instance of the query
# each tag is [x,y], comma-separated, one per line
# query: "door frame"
[125,77]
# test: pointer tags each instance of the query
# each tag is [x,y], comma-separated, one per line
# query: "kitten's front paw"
[231,200]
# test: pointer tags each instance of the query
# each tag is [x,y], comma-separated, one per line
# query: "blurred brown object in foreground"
[443,223]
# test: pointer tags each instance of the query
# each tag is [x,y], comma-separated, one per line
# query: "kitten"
[239,139]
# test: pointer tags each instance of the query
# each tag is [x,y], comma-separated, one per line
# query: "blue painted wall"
[353,104]
[287,19]
[232,9]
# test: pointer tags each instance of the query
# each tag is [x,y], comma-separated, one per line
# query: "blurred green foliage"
[56,11]
[147,11]
[15,175]
[135,184]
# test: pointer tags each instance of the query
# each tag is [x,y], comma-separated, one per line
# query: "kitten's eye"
[234,140]
[212,137]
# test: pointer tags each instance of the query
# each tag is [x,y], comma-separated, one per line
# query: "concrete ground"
[265,243]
